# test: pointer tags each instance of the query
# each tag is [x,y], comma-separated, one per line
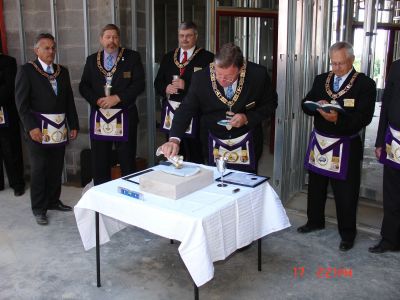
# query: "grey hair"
[188,25]
[41,36]
[342,45]
[229,54]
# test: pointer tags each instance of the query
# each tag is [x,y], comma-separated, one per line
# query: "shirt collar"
[344,77]
[233,84]
[189,53]
[114,54]
[44,65]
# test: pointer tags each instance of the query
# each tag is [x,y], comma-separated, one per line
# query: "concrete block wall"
[36,16]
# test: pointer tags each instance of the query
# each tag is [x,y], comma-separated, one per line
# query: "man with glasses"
[46,107]
[335,149]
[173,82]
[232,96]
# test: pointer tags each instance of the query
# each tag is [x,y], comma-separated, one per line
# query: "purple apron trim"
[165,109]
[335,148]
[121,117]
[388,141]
[5,124]
[46,122]
[250,151]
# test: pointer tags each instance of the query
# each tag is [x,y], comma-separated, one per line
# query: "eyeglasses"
[186,36]
[229,78]
[338,64]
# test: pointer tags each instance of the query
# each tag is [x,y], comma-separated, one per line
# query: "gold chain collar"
[342,92]
[114,68]
[50,77]
[178,64]
[239,87]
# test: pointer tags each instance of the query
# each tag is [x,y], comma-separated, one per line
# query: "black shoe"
[41,219]
[309,228]
[383,247]
[19,192]
[60,206]
[346,245]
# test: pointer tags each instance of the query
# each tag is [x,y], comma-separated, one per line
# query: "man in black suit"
[112,79]
[388,152]
[46,106]
[335,148]
[233,97]
[182,62]
[10,139]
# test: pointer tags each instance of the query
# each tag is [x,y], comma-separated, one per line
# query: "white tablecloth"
[210,223]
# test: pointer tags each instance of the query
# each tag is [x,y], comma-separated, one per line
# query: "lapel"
[118,71]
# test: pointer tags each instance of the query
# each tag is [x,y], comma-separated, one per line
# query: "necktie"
[109,62]
[336,84]
[229,92]
[182,70]
[53,82]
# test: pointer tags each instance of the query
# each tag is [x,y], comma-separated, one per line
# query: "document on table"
[244,179]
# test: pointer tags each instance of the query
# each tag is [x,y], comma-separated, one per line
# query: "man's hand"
[331,116]
[179,83]
[238,120]
[378,152]
[170,148]
[36,135]
[73,134]
[171,89]
[108,102]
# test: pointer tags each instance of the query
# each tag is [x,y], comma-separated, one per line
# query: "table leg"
[97,250]
[259,254]
[196,292]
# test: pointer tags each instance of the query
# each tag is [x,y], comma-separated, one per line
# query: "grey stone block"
[73,55]
[71,19]
[69,4]
[36,5]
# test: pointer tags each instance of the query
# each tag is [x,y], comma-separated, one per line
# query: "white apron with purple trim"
[238,151]
[3,117]
[328,155]
[53,129]
[109,124]
[167,115]
[390,155]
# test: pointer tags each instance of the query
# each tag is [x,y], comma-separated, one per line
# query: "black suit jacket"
[258,95]
[34,93]
[355,118]
[168,68]
[8,70]
[127,82]
[390,110]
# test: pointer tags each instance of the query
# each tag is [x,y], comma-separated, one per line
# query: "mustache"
[112,44]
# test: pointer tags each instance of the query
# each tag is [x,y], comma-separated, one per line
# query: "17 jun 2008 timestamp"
[323,272]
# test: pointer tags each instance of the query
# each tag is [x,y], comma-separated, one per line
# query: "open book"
[327,107]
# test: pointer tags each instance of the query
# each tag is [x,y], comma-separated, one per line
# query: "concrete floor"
[49,262]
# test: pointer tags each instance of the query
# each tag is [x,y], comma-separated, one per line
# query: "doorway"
[255,31]
[384,49]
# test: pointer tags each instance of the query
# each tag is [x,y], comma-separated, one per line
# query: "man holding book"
[335,149]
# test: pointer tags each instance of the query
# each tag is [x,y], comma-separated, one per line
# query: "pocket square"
[250,105]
